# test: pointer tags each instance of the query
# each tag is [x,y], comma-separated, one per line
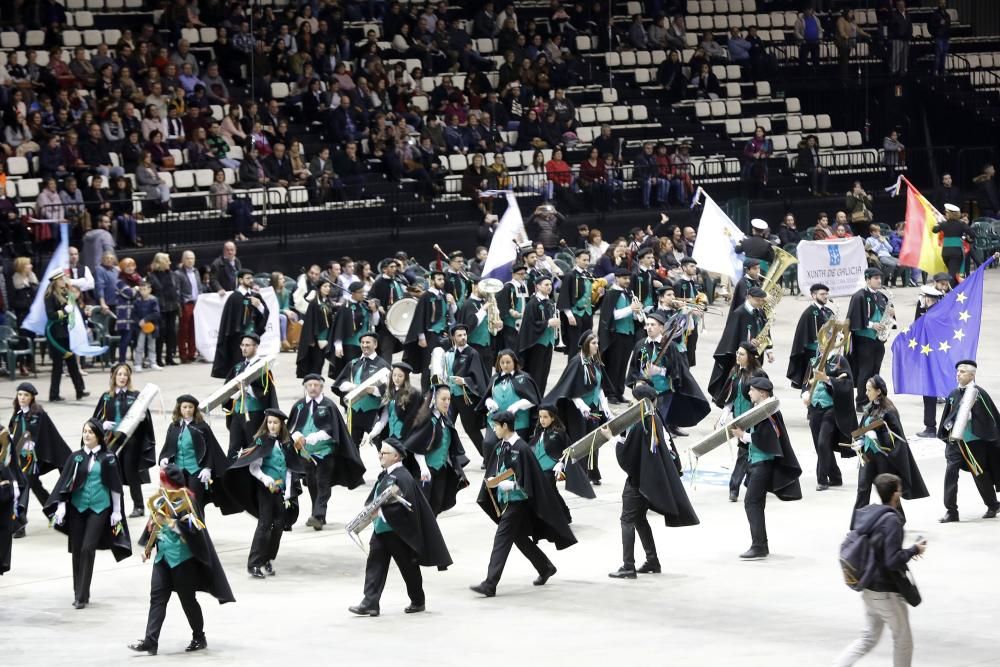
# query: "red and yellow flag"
[921,248]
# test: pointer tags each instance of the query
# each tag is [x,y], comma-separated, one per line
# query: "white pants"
[882,609]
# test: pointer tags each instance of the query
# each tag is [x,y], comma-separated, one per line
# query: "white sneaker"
[138,369]
[154,367]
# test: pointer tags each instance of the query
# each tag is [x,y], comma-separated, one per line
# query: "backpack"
[859,560]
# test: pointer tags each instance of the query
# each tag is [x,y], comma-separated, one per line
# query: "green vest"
[821,396]
[584,304]
[457,390]
[317,450]
[516,303]
[661,383]
[274,465]
[93,495]
[869,332]
[171,547]
[871,440]
[626,325]
[480,335]
[186,458]
[438,456]
[757,455]
[593,397]
[548,337]
[517,494]
[544,460]
[367,403]
[741,403]
[21,431]
[380,524]
[440,304]
[505,396]
[355,339]
[395,423]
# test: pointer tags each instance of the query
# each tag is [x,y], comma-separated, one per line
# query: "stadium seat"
[91,37]
[733,90]
[183,179]
[718,109]
[792,105]
[28,188]
[839,139]
[733,127]
[208,35]
[457,163]
[17,166]
[628,59]
[823,122]
[780,143]
[72,38]
[639,113]
[642,75]
[114,5]
[619,114]
[809,123]
[702,110]
[582,43]
[191,35]
[604,114]
[83,19]
[763,89]
[612,59]
[854,138]
[825,140]
[608,95]
[279,90]
[733,108]
[643,58]
[203,178]
[34,38]
[10,40]
[111,36]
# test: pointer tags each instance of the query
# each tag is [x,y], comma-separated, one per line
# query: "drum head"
[397,319]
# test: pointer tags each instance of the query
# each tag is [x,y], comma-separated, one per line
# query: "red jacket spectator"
[558,170]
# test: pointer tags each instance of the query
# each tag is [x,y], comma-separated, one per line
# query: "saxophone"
[783,260]
[390,494]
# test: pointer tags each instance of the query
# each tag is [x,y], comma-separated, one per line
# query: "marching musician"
[185,562]
[467,377]
[869,306]
[954,232]
[734,399]
[575,302]
[757,245]
[690,287]
[581,399]
[929,296]
[621,316]
[510,390]
[537,335]
[831,419]
[317,330]
[191,446]
[976,449]
[773,467]
[11,484]
[522,504]
[429,326]
[474,314]
[806,339]
[59,311]
[511,300]
[321,438]
[409,536]
[354,319]
[884,449]
[387,289]
[399,407]
[138,453]
[86,504]
[645,282]
[362,413]
[751,278]
[666,301]
[245,410]
[743,324]
[457,282]
[652,467]
[437,453]
[35,448]
[536,267]
[548,443]
[243,313]
[259,481]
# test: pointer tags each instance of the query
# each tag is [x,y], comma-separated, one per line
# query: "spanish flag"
[921,248]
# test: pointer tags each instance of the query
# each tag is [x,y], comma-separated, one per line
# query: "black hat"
[549,407]
[456,254]
[458,327]
[750,262]
[622,271]
[187,398]
[762,383]
[518,267]
[28,387]
[473,278]
[667,286]
[356,286]
[313,376]
[656,317]
[688,260]
[645,251]
[252,336]
[871,273]
[403,366]
[643,390]
[368,334]
[581,251]
[395,443]
[967,362]
[275,412]
[244,272]
[818,287]
[757,293]
[941,277]
[503,417]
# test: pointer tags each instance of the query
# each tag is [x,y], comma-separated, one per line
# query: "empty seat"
[642,75]
[619,114]
[706,7]
[658,56]
[792,105]
[628,59]
[17,166]
[825,140]
[236,152]
[733,72]
[733,107]
[72,37]
[705,23]
[839,139]
[733,90]
[457,163]
[794,123]
[83,19]
[733,127]
[823,122]
[203,178]
[780,143]
[809,123]
[720,22]
[183,179]
[37,38]
[633,7]
[691,22]
[718,109]
[692,7]
[73,5]
[777,19]
[720,72]
[298,195]
[91,38]
[9,40]
[604,114]
[484,45]
[722,6]
[95,4]
[585,134]
[586,115]
[513,159]
[702,109]
[279,89]
[763,89]
[111,36]
[750,6]
[736,6]
[582,43]
[612,59]
[764,21]
[854,138]
[643,58]
[794,139]
[191,35]
[640,113]
[28,188]
[748,126]
[609,95]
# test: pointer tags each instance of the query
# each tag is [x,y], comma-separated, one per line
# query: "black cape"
[810,322]
[426,312]
[240,485]
[576,381]
[548,520]
[771,436]
[859,312]
[139,452]
[417,528]
[348,470]
[524,386]
[606,325]
[984,423]
[207,450]
[371,366]
[842,392]
[263,389]
[470,366]
[406,415]
[349,320]
[689,404]
[653,471]
[319,316]
[51,451]
[420,440]
[571,289]
[740,292]
[577,480]
[10,518]
[537,313]
[74,475]
[237,315]
[741,325]
[892,437]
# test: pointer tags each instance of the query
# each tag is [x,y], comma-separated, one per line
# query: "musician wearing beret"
[974,447]
[883,448]
[474,315]
[429,326]
[734,399]
[576,303]
[752,277]
[806,339]
[526,510]
[868,308]
[511,390]
[645,282]
[511,301]
[743,324]
[773,467]
[138,453]
[86,504]
[467,376]
[689,287]
[245,410]
[243,313]
[317,331]
[260,483]
[457,282]
[35,448]
[191,447]
[405,531]
[354,319]
[11,483]
[363,410]
[437,456]
[322,440]
[537,336]
[830,414]
[387,289]
[399,407]
[621,317]
[652,467]
[186,561]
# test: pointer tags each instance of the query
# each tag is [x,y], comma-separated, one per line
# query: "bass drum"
[397,318]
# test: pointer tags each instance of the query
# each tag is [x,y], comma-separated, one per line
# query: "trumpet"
[640,314]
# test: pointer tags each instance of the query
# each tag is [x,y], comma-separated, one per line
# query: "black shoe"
[927,433]
[19,533]
[171,362]
[197,644]
[269,569]
[315,523]
[595,482]
[754,553]
[82,395]
[624,573]
[137,512]
[991,513]
[79,605]
[255,572]
[364,610]
[143,646]
[414,608]
[734,496]
[836,482]
[483,589]
[544,576]
[650,567]
[822,487]
[56,399]
[950,517]
[674,431]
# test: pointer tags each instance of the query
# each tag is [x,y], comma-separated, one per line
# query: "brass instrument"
[4,447]
[599,285]
[391,494]
[444,255]
[639,314]
[888,318]
[489,288]
[783,260]
[166,507]
[828,339]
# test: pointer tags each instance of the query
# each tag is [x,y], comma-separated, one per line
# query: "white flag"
[503,247]
[715,246]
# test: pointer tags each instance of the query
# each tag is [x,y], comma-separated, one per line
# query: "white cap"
[757,223]
[930,290]
[57,273]
[952,208]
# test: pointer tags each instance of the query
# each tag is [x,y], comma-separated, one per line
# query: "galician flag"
[503,247]
[715,245]
[921,248]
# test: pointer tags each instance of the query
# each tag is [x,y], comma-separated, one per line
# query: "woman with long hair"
[615,257]
[60,304]
[734,399]
[191,446]
[23,287]
[317,330]
[511,390]
[400,406]
[139,451]
[161,279]
[548,443]
[436,453]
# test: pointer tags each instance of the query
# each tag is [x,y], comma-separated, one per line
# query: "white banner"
[715,245]
[840,265]
[208,314]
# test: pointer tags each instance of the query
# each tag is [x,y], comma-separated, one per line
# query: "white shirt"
[90,458]
[85,282]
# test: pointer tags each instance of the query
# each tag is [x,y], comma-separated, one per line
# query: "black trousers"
[537,361]
[573,334]
[198,489]
[472,421]
[34,485]
[387,344]
[513,531]
[760,481]
[984,482]
[868,354]
[875,465]
[168,327]
[435,488]
[131,476]
[633,520]
[318,481]
[930,412]
[85,532]
[241,430]
[692,347]
[953,259]
[740,470]
[508,340]
[616,362]
[183,581]
[383,548]
[823,424]
[270,525]
[361,423]
[72,365]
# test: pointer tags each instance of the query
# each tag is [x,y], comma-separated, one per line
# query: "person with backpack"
[874,562]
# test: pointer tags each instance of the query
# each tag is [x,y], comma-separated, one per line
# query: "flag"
[920,245]
[924,355]
[715,246]
[503,247]
[37,320]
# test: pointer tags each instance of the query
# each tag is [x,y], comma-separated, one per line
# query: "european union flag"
[925,354]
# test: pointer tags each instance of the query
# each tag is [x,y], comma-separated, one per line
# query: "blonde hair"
[21,263]
[161,262]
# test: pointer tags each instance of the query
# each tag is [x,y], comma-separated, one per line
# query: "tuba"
[489,288]
[391,494]
[167,506]
[783,260]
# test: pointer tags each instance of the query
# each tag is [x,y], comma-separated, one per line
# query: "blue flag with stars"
[925,354]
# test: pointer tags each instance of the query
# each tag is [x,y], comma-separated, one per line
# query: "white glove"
[116,517]
[558,468]
[582,407]
[492,405]
[108,426]
[28,446]
[164,463]
[425,472]
[68,308]
[366,439]
[288,492]
[857,445]
[725,417]
[506,485]
[322,344]
[204,475]
[60,514]
[266,480]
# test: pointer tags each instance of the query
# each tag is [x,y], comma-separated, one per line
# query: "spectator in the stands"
[698,58]
[200,155]
[715,52]
[215,86]
[665,174]
[123,212]
[50,158]
[670,75]
[73,208]
[593,180]
[900,32]
[637,34]
[220,193]
[987,194]
[842,232]
[534,178]
[808,33]
[859,208]
[606,144]
[231,127]
[96,154]
[706,84]
[500,178]
[656,34]
[822,231]
[646,173]
[251,174]
[809,164]
[787,232]
[882,248]
[350,168]
[278,167]
[756,153]
[183,56]
[347,123]
[225,269]
[565,110]
[551,132]
[939,27]
[475,179]
[739,47]
[529,132]
[684,167]
[892,153]
[846,38]
[148,180]
[947,193]
[174,135]
[97,197]
[560,174]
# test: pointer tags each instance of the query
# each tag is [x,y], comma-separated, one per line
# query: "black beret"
[28,387]
[643,390]
[581,251]
[941,277]
[395,443]
[871,273]
[622,271]
[458,327]
[518,267]
[688,260]
[275,412]
[456,254]
[656,317]
[187,398]
[762,383]
[252,336]
[356,286]
[368,334]
[818,287]
[757,293]
[403,366]
[436,272]
[244,272]
[750,262]
[313,376]
[967,362]
[645,251]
